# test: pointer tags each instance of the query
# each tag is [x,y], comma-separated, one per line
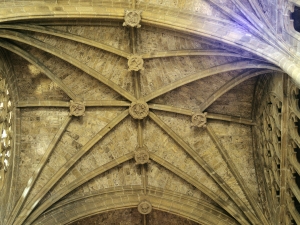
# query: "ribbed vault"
[89,93]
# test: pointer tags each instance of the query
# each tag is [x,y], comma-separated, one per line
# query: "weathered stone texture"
[72,141]
[162,178]
[33,84]
[126,174]
[133,217]
[164,71]
[237,140]
[114,36]
[165,147]
[173,177]
[158,217]
[199,140]
[106,64]
[237,101]
[119,142]
[38,127]
[202,7]
[190,96]
[116,217]
[153,39]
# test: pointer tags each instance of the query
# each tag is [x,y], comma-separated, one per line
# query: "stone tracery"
[6,130]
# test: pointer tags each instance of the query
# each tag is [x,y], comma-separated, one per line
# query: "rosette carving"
[132,18]
[135,63]
[199,120]
[77,108]
[139,110]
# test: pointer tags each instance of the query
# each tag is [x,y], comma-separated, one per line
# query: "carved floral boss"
[139,110]
[77,108]
[132,18]
[199,120]
[135,62]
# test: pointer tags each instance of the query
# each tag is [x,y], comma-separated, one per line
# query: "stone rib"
[205,73]
[30,58]
[52,50]
[205,166]
[31,205]
[70,187]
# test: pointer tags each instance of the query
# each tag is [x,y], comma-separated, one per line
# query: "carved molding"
[142,155]
[135,63]
[139,110]
[132,18]
[144,207]
[199,120]
[76,108]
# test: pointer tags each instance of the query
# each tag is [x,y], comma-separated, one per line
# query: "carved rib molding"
[54,51]
[215,116]
[174,53]
[205,73]
[234,16]
[27,56]
[28,208]
[230,119]
[231,84]
[70,187]
[205,166]
[23,104]
[92,103]
[252,23]
[42,163]
[230,208]
[145,84]
[236,174]
[261,15]
[62,34]
[251,17]
[129,197]
[172,109]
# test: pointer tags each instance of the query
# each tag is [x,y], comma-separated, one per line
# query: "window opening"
[296,17]
[297,150]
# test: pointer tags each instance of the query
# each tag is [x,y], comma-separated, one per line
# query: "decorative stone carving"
[132,18]
[135,62]
[199,120]
[77,108]
[144,207]
[141,155]
[139,110]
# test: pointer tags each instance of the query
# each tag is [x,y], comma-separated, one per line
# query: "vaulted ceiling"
[89,92]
